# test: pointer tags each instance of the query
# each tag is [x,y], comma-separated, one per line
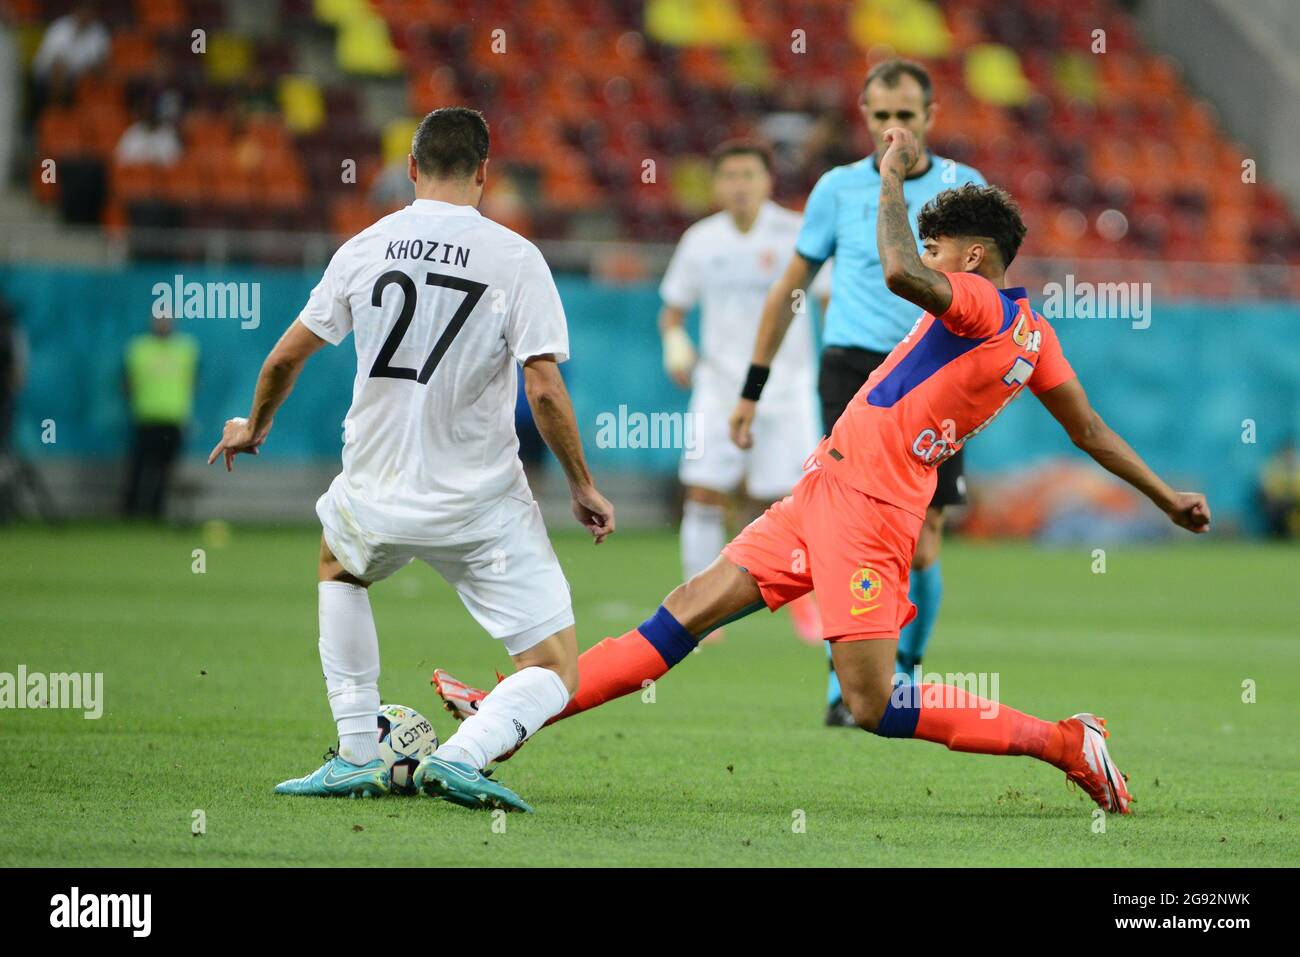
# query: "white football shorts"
[784,435]
[508,579]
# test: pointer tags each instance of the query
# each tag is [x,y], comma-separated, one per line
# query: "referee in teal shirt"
[865,320]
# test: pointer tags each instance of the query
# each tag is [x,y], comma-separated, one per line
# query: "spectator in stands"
[160,374]
[1279,491]
[73,45]
[150,140]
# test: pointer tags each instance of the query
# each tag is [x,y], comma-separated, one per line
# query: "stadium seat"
[993,75]
[913,28]
[229,57]
[396,139]
[365,47]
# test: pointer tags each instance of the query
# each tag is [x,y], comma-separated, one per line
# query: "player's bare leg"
[961,721]
[703,533]
[866,671]
[349,653]
[721,593]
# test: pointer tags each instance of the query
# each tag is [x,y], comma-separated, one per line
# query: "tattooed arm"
[905,274]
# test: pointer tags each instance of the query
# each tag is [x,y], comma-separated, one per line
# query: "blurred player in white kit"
[725,264]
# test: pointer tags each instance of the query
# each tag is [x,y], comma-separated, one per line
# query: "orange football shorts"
[855,551]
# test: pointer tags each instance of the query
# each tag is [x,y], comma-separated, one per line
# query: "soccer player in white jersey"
[725,264]
[441,303]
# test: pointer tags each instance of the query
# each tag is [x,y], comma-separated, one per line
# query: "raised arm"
[905,274]
[553,413]
[1069,405]
[274,383]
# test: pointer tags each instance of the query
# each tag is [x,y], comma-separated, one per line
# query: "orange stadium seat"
[131,182]
[59,133]
[133,53]
[349,214]
[160,15]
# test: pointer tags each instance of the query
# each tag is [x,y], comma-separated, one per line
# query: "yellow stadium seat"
[993,75]
[229,57]
[364,46]
[339,11]
[302,103]
[29,41]
[691,180]
[911,27]
[396,141]
[748,63]
[716,23]
[1076,76]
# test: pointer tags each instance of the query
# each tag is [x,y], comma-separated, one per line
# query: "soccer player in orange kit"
[849,527]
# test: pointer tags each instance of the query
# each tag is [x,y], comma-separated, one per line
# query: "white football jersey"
[441,303]
[728,273]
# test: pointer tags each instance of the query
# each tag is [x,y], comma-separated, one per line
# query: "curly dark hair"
[972,210]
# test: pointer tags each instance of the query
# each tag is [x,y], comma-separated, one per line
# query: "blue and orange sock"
[961,721]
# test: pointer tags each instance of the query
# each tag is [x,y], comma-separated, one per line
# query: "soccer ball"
[405,736]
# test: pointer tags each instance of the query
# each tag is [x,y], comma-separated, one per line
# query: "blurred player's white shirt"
[435,285]
[728,273]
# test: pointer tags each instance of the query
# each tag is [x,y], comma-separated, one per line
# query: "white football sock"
[349,656]
[508,716]
[703,534]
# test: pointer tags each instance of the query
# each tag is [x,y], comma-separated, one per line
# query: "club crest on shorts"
[865,585]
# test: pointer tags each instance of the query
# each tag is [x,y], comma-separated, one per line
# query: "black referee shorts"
[843,371]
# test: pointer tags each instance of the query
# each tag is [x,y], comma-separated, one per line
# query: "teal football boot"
[339,778]
[461,784]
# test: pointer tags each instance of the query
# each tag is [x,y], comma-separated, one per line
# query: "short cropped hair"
[891,71]
[744,147]
[973,210]
[450,142]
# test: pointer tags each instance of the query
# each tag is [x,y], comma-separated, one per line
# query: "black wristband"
[754,382]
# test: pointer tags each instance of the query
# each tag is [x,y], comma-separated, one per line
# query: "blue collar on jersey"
[1015,293]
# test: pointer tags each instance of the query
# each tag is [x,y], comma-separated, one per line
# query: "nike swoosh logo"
[863,611]
[331,781]
[450,768]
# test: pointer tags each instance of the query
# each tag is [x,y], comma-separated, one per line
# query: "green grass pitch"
[213,693]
